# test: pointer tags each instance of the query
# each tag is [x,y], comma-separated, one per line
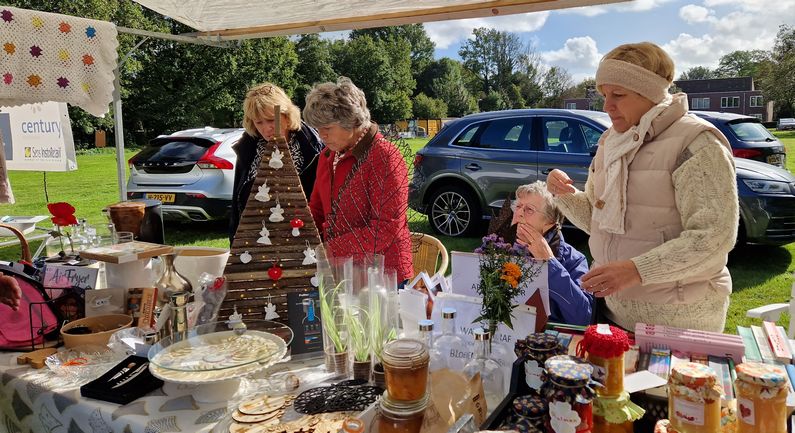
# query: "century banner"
[38,137]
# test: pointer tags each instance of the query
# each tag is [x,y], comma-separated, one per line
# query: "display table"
[39,401]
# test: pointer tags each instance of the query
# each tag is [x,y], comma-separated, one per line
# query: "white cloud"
[446,33]
[577,54]
[693,14]
[722,26]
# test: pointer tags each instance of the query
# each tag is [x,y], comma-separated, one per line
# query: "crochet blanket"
[53,57]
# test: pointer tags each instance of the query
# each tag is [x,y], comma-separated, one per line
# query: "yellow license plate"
[164,198]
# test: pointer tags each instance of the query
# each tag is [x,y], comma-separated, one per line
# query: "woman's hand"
[610,278]
[559,183]
[10,293]
[534,241]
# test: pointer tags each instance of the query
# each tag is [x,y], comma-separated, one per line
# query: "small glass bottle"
[761,398]
[406,369]
[569,395]
[450,345]
[437,361]
[694,399]
[491,374]
[535,350]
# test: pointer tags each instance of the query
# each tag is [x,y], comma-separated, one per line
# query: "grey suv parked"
[465,172]
[191,172]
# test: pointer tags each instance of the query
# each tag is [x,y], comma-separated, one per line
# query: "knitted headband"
[633,77]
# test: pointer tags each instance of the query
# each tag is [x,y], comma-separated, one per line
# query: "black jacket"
[246,149]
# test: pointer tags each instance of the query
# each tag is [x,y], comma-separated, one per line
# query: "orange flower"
[513,282]
[512,269]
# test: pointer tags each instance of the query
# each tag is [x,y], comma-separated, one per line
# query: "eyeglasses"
[527,210]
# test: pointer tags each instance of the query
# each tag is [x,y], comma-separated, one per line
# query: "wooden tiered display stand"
[250,288]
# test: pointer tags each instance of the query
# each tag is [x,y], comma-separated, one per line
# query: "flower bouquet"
[504,270]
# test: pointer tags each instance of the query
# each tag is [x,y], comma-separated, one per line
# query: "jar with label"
[694,399]
[615,414]
[605,346]
[569,395]
[406,369]
[535,350]
[761,398]
[396,416]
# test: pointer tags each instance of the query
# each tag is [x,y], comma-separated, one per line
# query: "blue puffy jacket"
[568,302]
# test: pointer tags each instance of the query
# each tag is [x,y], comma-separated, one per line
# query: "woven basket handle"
[22,242]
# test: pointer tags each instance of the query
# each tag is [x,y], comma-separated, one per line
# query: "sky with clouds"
[695,33]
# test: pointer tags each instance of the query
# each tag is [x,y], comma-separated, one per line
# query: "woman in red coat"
[360,197]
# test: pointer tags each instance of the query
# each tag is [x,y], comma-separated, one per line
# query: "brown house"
[730,95]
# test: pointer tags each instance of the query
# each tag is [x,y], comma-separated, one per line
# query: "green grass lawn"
[762,274]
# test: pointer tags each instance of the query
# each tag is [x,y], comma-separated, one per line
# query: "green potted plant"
[356,321]
[335,342]
[382,331]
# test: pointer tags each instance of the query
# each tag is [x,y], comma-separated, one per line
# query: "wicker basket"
[127,216]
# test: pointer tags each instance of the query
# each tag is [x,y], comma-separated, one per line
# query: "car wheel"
[453,211]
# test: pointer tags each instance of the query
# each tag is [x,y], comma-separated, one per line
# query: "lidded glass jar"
[401,416]
[694,399]
[406,369]
[569,395]
[535,350]
[761,398]
[530,412]
[605,346]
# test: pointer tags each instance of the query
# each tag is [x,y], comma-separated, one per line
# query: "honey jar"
[605,347]
[406,369]
[396,416]
[761,398]
[694,399]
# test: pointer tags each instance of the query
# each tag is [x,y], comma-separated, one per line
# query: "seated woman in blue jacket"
[536,223]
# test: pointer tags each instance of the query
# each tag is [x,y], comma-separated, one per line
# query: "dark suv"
[748,137]
[464,173]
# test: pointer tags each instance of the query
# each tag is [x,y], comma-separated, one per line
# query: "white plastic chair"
[772,312]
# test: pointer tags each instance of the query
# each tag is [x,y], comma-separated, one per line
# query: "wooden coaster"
[245,418]
[262,405]
[261,427]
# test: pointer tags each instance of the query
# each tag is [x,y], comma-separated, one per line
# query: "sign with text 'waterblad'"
[38,137]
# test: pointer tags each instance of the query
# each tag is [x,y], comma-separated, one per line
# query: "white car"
[191,172]
[785,123]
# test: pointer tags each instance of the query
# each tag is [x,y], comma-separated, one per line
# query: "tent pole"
[119,136]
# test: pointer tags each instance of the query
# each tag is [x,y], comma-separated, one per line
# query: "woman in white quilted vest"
[660,203]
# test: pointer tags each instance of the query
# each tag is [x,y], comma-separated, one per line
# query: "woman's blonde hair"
[341,102]
[646,55]
[260,101]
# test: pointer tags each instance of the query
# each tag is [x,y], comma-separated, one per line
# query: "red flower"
[63,214]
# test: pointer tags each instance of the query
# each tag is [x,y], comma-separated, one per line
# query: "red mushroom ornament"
[296,224]
[275,272]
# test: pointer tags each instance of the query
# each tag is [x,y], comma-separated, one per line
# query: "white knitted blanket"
[53,57]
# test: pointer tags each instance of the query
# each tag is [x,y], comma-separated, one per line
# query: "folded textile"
[54,57]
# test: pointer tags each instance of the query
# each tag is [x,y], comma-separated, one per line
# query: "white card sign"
[467,310]
[466,274]
[61,277]
[38,137]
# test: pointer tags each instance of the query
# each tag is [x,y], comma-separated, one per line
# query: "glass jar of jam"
[615,414]
[694,399]
[396,416]
[761,398]
[535,350]
[605,346]
[529,415]
[406,369]
[569,395]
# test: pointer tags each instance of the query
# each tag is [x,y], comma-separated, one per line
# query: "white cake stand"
[215,357]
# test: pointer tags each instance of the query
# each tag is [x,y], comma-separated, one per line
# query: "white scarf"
[619,151]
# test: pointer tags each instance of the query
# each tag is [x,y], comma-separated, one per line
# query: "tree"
[426,107]
[556,82]
[778,74]
[382,69]
[451,88]
[587,89]
[741,63]
[698,73]
[493,101]
[314,64]
[420,45]
[492,55]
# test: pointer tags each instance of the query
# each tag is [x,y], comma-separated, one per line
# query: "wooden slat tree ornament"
[267,261]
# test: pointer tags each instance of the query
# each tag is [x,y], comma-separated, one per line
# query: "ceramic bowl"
[93,330]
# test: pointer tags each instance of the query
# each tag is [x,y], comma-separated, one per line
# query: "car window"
[505,134]
[750,131]
[565,136]
[591,136]
[172,152]
[468,136]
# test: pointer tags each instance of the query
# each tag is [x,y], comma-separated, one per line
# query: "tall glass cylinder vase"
[333,276]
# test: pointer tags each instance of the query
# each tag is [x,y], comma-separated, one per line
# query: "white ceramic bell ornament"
[264,236]
[276,159]
[315,281]
[263,193]
[277,213]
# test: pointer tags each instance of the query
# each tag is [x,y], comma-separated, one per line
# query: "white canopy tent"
[242,19]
